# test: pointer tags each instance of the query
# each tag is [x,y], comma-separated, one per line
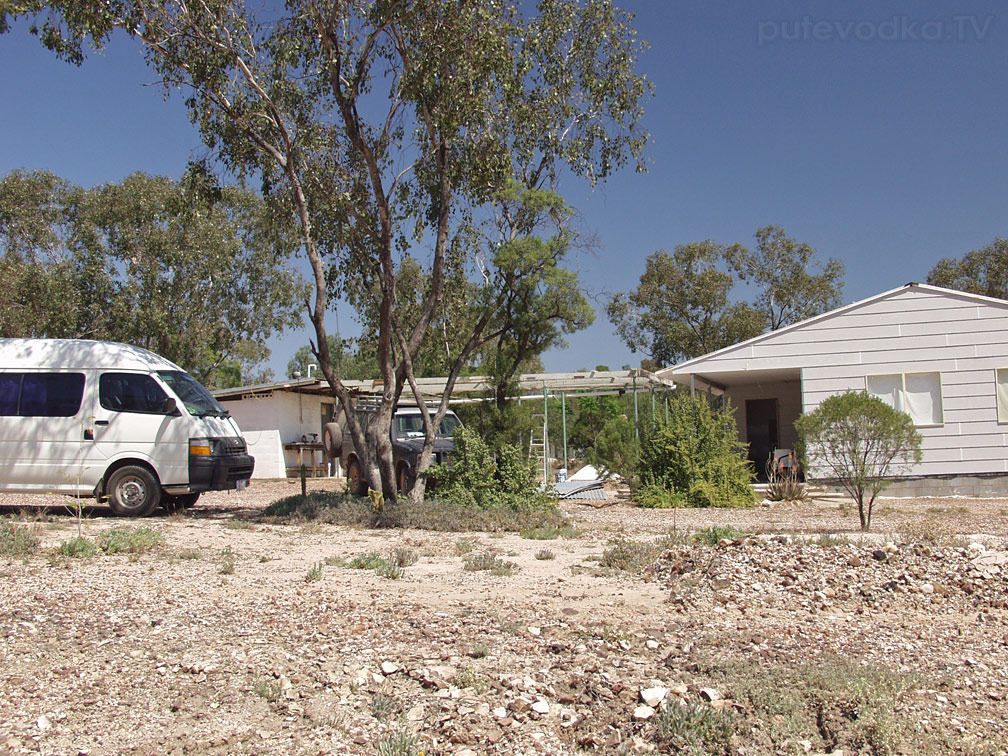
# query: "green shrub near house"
[696,456]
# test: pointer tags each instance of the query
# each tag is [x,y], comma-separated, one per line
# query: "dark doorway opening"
[761,431]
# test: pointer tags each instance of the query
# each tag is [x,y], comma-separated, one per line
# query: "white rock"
[653,645]
[541,707]
[416,714]
[926,588]
[389,668]
[653,696]
[710,694]
[643,712]
[500,712]
[43,723]
[535,630]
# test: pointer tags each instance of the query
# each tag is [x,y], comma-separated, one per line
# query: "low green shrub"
[483,479]
[714,534]
[129,540]
[77,548]
[656,497]
[694,729]
[623,554]
[489,562]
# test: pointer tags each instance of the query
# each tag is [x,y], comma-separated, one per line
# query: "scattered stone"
[389,668]
[710,694]
[541,707]
[653,696]
[643,712]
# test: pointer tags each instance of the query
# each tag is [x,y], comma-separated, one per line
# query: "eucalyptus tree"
[387,127]
[982,271]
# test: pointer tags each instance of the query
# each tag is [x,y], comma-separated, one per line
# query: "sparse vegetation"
[398,743]
[189,554]
[239,525]
[549,532]
[438,515]
[624,554]
[18,539]
[129,540]
[314,573]
[715,534]
[545,555]
[268,689]
[489,562]
[227,561]
[77,548]
[694,729]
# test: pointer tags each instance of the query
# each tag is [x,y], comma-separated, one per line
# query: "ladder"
[538,445]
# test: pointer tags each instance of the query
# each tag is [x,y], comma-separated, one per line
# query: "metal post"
[654,420]
[636,416]
[563,414]
[546,479]
[666,406]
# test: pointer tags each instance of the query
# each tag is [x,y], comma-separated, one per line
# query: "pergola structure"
[479,388]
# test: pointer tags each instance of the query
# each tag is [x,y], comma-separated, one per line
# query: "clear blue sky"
[875,131]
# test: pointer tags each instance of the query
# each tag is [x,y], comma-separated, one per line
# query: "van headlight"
[200,447]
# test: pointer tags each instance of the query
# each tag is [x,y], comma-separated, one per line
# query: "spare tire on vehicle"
[332,439]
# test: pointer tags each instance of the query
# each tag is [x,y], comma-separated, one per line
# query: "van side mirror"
[170,407]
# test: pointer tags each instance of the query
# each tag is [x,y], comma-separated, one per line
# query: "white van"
[113,421]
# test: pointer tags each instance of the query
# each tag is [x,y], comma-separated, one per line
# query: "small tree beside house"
[859,442]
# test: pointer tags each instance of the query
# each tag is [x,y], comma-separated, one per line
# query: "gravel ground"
[240,636]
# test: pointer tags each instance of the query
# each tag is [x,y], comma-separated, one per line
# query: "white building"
[939,355]
[276,418]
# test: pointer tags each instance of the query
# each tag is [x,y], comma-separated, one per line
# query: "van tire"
[133,491]
[355,479]
[178,502]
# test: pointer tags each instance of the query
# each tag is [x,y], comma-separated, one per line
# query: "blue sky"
[874,131]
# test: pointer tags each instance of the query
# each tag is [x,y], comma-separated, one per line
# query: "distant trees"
[193,271]
[683,306]
[982,271]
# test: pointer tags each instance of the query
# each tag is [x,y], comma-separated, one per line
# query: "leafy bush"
[858,441]
[713,535]
[697,456]
[476,479]
[656,497]
[694,729]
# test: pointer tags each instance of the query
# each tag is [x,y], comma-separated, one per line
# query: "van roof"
[33,354]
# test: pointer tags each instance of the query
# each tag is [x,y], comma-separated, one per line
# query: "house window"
[917,394]
[1001,381]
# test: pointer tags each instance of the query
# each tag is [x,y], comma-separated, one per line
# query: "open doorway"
[761,432]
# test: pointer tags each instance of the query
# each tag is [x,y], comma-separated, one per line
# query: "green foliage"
[713,535]
[697,456]
[682,307]
[694,729]
[623,554]
[857,441]
[314,573]
[348,364]
[77,548]
[779,267]
[398,743]
[476,479]
[982,271]
[227,565]
[16,539]
[657,497]
[189,269]
[129,540]
[616,449]
[549,532]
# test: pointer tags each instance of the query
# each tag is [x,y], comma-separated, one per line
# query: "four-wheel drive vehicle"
[407,442]
[113,421]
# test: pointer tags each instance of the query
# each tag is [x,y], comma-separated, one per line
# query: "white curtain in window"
[923,398]
[888,388]
[1002,395]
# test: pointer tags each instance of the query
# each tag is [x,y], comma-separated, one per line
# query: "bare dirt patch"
[794,635]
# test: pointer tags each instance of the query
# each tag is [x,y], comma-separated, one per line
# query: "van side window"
[51,394]
[130,392]
[10,390]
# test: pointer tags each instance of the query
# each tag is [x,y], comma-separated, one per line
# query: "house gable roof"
[710,361]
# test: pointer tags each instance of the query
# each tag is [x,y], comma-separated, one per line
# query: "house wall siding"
[912,330]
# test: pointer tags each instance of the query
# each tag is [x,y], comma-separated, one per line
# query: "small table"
[313,469]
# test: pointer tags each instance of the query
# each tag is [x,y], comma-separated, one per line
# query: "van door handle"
[101,422]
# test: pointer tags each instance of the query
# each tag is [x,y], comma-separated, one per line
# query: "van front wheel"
[133,491]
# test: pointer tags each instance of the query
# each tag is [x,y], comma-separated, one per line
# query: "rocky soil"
[789,633]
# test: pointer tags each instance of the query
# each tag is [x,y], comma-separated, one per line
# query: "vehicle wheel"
[177,503]
[332,440]
[355,481]
[403,484]
[133,491]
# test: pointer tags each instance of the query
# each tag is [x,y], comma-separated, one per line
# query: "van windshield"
[197,400]
[412,426]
